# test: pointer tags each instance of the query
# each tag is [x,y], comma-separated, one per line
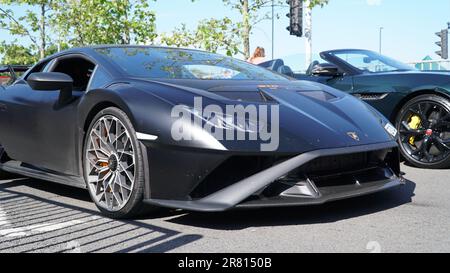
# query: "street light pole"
[273,29]
[381,36]
[308,32]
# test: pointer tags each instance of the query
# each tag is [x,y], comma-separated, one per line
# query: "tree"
[249,10]
[212,35]
[251,15]
[33,25]
[16,54]
[87,22]
[314,3]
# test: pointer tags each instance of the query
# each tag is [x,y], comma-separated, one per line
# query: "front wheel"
[424,127]
[113,165]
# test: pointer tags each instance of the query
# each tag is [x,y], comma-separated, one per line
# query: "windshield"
[167,63]
[369,61]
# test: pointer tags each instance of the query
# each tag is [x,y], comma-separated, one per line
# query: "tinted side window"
[39,68]
[99,79]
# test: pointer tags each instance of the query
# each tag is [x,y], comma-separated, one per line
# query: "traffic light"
[296,17]
[443,44]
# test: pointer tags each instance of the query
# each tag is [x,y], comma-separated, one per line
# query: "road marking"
[40,228]
[3,218]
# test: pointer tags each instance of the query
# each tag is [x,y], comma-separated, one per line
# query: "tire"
[424,126]
[111,161]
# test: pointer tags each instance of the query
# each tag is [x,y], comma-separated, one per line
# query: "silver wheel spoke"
[110,163]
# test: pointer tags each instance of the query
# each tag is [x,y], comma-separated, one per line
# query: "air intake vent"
[378,96]
[318,95]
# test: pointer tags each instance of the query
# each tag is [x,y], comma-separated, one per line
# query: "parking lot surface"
[38,216]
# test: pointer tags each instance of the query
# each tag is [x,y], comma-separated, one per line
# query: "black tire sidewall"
[445,163]
[135,202]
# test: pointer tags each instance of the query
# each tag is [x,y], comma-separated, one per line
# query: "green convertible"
[417,102]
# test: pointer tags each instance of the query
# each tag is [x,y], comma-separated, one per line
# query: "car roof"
[94,47]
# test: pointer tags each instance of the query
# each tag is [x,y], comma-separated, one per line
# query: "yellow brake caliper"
[414,124]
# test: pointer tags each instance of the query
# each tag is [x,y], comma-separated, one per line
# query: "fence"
[432,65]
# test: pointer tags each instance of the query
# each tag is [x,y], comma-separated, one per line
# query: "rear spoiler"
[13,69]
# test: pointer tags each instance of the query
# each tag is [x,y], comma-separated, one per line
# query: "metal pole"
[273,29]
[308,32]
[381,36]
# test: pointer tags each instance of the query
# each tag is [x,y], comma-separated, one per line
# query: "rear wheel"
[113,165]
[424,126]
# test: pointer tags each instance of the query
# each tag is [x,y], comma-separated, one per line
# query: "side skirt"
[17,167]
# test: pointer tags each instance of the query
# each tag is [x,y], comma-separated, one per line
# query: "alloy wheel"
[110,163]
[425,132]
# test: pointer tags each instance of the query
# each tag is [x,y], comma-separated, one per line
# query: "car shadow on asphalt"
[244,218]
[93,231]
[306,215]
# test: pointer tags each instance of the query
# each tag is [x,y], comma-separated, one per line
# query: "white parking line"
[40,228]
[3,218]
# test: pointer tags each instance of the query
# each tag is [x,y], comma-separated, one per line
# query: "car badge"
[353,135]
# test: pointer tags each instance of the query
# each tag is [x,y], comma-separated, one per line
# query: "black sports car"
[417,102]
[107,119]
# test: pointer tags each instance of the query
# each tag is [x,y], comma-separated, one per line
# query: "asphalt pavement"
[39,216]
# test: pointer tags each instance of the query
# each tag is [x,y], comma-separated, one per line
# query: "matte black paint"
[46,135]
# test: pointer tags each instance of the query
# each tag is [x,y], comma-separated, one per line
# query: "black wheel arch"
[436,91]
[92,103]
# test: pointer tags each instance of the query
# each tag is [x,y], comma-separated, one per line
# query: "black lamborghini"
[102,118]
[417,102]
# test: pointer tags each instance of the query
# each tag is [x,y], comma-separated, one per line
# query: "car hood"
[311,116]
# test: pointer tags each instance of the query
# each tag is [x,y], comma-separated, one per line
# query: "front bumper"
[278,186]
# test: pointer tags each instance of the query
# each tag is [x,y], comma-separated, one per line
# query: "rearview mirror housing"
[53,81]
[50,81]
[326,70]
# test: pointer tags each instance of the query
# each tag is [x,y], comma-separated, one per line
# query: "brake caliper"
[414,124]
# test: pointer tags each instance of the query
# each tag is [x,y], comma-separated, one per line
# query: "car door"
[16,117]
[343,83]
[44,133]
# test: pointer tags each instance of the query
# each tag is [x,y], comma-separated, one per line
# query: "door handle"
[3,107]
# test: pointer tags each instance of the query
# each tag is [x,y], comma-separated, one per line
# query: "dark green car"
[417,102]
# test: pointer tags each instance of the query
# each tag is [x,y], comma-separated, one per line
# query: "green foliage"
[50,25]
[32,26]
[321,3]
[58,24]
[16,54]
[212,35]
[87,22]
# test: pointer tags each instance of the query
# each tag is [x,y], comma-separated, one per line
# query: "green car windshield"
[369,61]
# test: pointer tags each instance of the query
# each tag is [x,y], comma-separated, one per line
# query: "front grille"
[333,164]
[233,170]
[325,171]
[338,165]
[340,170]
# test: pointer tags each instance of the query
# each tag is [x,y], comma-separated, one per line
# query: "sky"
[409,26]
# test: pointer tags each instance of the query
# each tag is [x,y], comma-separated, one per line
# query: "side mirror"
[326,70]
[52,81]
